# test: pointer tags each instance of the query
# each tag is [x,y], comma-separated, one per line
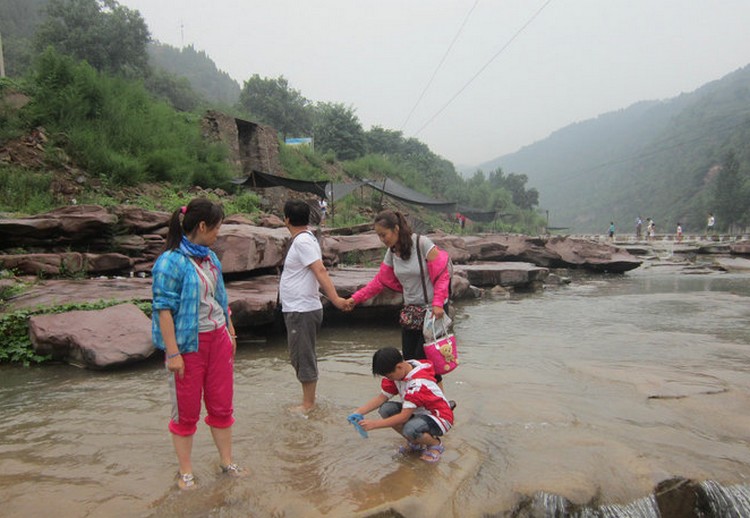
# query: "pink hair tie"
[183,210]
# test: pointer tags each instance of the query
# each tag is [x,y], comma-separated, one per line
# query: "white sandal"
[186,481]
[233,470]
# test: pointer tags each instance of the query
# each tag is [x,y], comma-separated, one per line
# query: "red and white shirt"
[420,391]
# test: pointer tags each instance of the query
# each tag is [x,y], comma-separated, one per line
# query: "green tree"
[175,90]
[337,128]
[274,102]
[199,69]
[515,184]
[19,20]
[729,196]
[110,37]
[383,141]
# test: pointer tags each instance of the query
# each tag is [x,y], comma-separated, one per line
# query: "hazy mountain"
[652,158]
[199,69]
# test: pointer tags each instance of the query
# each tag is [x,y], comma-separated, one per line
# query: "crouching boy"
[422,416]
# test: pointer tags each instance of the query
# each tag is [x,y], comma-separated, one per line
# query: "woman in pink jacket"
[423,286]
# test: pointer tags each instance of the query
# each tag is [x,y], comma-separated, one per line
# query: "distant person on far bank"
[710,224]
[611,231]
[638,228]
[323,206]
[678,238]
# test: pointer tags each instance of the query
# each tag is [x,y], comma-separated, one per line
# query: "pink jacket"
[386,278]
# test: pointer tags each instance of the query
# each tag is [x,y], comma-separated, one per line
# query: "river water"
[592,392]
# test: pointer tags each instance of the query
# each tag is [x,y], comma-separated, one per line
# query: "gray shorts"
[301,333]
[415,426]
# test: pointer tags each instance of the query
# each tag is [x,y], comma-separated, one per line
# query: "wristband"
[170,356]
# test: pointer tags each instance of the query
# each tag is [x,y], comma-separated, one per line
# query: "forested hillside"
[673,160]
[201,72]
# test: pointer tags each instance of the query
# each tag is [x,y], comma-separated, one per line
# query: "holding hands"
[344,304]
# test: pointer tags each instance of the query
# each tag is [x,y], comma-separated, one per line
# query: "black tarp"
[403,193]
[336,191]
[264,180]
[482,216]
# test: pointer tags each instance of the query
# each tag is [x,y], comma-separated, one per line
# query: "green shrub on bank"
[24,191]
[15,344]
[302,162]
[113,128]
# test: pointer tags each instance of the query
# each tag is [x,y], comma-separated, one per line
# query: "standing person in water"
[192,325]
[425,285]
[299,293]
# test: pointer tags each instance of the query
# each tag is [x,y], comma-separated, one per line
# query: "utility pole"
[2,59]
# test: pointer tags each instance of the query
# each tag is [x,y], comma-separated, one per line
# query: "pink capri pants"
[209,373]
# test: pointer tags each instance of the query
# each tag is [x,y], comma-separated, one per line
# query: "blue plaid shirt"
[176,287]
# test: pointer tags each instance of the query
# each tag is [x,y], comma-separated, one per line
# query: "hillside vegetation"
[117,111]
[673,160]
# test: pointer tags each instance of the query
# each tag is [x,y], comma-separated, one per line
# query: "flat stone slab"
[504,274]
[97,339]
[732,264]
[253,300]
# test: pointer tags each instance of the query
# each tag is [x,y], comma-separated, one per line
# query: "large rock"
[140,221]
[551,252]
[244,248]
[733,264]
[70,263]
[355,249]
[506,274]
[101,339]
[740,248]
[591,255]
[74,225]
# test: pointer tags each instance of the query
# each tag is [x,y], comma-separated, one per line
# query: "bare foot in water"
[301,409]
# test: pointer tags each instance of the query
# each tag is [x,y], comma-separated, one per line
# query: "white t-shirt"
[299,288]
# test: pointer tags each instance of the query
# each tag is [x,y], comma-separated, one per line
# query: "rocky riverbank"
[98,254]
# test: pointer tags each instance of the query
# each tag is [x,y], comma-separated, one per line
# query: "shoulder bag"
[412,315]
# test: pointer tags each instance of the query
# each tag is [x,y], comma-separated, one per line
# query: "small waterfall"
[641,508]
[727,502]
[547,505]
[685,499]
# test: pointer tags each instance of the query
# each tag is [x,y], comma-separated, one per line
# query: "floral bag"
[412,316]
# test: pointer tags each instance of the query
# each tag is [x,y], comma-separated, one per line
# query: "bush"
[244,203]
[24,191]
[113,127]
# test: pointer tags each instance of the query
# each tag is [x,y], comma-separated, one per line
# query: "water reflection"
[591,392]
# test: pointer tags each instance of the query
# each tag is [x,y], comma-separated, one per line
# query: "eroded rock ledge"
[80,241]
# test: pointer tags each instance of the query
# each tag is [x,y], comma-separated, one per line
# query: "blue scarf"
[193,250]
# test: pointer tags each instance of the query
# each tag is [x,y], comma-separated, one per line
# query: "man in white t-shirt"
[303,276]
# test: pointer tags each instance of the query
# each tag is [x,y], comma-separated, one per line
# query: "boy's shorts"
[302,331]
[417,423]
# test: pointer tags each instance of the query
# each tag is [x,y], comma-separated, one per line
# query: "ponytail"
[186,219]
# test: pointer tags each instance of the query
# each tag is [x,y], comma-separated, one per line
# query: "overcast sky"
[517,70]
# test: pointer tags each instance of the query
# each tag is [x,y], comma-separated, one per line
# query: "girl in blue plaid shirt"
[192,325]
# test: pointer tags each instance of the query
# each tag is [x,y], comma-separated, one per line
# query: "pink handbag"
[442,353]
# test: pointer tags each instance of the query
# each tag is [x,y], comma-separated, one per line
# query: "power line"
[434,73]
[507,44]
